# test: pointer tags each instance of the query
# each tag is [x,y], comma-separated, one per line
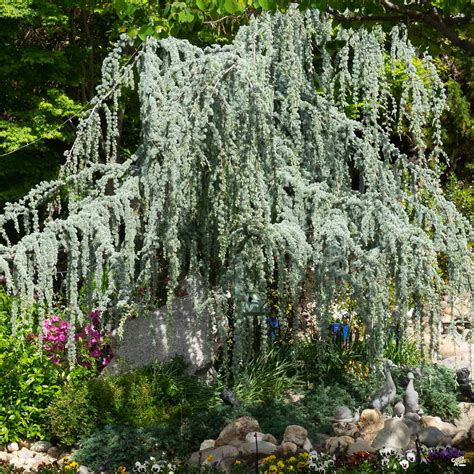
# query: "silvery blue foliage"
[249,171]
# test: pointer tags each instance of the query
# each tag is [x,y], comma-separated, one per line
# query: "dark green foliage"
[116,446]
[28,383]
[152,396]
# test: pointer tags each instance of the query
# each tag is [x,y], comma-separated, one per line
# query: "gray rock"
[460,438]
[295,434]
[41,446]
[158,337]
[54,452]
[270,438]
[217,454]
[237,430]
[207,443]
[250,437]
[413,426]
[394,435]
[431,436]
[308,446]
[82,470]
[264,447]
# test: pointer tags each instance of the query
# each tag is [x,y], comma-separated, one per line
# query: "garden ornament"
[465,387]
[229,398]
[399,409]
[344,415]
[387,392]
[411,396]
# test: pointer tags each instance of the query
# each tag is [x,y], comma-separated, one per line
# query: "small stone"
[12,447]
[41,446]
[264,447]
[250,437]
[207,443]
[295,434]
[5,457]
[270,438]
[308,446]
[345,429]
[82,470]
[338,444]
[287,447]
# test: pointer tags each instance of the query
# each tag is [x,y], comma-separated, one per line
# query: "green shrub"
[72,415]
[28,383]
[155,395]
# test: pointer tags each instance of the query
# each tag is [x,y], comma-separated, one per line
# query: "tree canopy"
[260,163]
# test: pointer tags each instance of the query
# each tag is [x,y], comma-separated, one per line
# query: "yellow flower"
[237,462]
[301,465]
[290,468]
[304,455]
[281,464]
[122,469]
[273,468]
[292,460]
[210,458]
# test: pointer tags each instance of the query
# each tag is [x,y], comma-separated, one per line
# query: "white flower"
[405,464]
[411,456]
[384,461]
[312,466]
[155,468]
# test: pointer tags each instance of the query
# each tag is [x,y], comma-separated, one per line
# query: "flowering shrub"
[91,343]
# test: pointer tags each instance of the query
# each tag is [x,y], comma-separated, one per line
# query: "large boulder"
[237,430]
[466,418]
[436,422]
[432,437]
[159,337]
[395,434]
[264,447]
[371,421]
[295,434]
[216,454]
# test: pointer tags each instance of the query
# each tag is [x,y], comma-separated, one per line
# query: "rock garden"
[249,259]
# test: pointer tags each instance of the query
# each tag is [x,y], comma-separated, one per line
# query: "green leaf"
[203,5]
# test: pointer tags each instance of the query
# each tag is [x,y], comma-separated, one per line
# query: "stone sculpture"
[411,396]
[399,409]
[387,392]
